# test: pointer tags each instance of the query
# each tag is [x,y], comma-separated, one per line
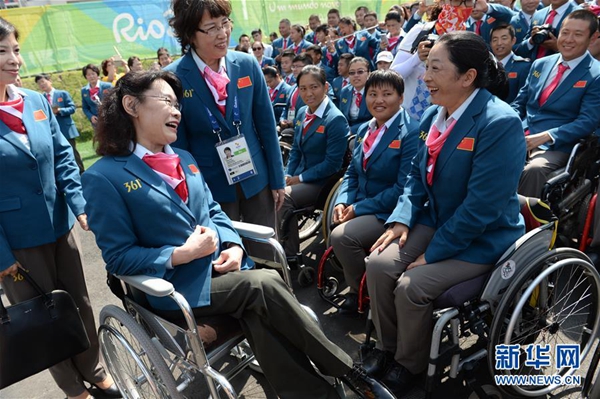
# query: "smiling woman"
[229,101]
[40,199]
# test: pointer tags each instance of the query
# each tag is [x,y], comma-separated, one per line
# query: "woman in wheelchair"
[317,153]
[369,191]
[459,210]
[153,214]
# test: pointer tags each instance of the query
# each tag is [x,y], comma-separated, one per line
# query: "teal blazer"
[280,101]
[344,102]
[146,220]
[195,133]
[572,111]
[89,107]
[517,70]
[375,190]
[66,108]
[472,203]
[498,14]
[41,190]
[539,18]
[320,153]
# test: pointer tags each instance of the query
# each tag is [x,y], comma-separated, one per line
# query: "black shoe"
[110,392]
[398,379]
[377,361]
[365,386]
[350,305]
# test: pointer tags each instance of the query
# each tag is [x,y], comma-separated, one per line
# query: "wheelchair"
[310,218]
[571,193]
[150,357]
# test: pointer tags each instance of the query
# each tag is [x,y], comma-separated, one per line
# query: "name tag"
[236,159]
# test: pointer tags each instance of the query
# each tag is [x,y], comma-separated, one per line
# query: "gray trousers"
[351,242]
[78,159]
[539,165]
[259,209]
[58,266]
[296,197]
[402,301]
[282,335]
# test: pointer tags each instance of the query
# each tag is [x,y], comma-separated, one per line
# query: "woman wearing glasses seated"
[227,104]
[258,49]
[190,242]
[351,103]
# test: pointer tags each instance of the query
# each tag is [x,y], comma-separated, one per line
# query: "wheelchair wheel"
[554,300]
[308,225]
[307,276]
[286,149]
[328,211]
[132,359]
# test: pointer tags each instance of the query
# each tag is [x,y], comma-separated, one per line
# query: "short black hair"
[585,15]
[92,67]
[42,76]
[501,26]
[381,78]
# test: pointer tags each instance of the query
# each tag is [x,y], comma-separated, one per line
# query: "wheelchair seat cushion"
[460,293]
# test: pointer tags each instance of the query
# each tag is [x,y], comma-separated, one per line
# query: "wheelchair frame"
[164,341]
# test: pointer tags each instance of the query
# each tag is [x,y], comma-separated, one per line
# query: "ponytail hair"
[468,50]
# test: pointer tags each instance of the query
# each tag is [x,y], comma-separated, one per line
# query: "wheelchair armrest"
[150,285]
[249,230]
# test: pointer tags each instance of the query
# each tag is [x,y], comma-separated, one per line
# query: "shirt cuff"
[552,139]
[300,178]
[169,264]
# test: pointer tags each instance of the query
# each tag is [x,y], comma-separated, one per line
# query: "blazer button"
[39,191]
[33,166]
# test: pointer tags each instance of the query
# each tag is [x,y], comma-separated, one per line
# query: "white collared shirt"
[442,122]
[354,110]
[13,91]
[373,127]
[560,11]
[319,111]
[506,59]
[572,65]
[201,66]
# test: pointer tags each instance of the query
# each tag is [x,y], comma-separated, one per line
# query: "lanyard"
[236,119]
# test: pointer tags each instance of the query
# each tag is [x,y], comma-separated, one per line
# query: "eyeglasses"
[256,48]
[359,72]
[214,31]
[174,105]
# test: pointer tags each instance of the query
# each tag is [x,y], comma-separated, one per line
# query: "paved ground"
[346,332]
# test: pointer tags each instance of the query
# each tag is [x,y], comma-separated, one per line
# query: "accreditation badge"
[291,114]
[236,159]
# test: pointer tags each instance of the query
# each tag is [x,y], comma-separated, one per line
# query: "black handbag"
[38,333]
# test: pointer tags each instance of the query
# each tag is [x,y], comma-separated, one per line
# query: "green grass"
[72,82]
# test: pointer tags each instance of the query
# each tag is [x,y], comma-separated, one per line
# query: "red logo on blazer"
[362,39]
[39,115]
[490,20]
[193,168]
[395,144]
[244,82]
[60,99]
[467,144]
[580,85]
[512,75]
[320,129]
[282,95]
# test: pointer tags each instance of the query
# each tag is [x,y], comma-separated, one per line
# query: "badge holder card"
[236,159]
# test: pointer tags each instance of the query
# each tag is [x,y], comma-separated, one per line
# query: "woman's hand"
[338,211]
[420,261]
[11,271]
[348,214]
[82,219]
[278,198]
[292,180]
[393,232]
[94,119]
[229,260]
[202,242]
